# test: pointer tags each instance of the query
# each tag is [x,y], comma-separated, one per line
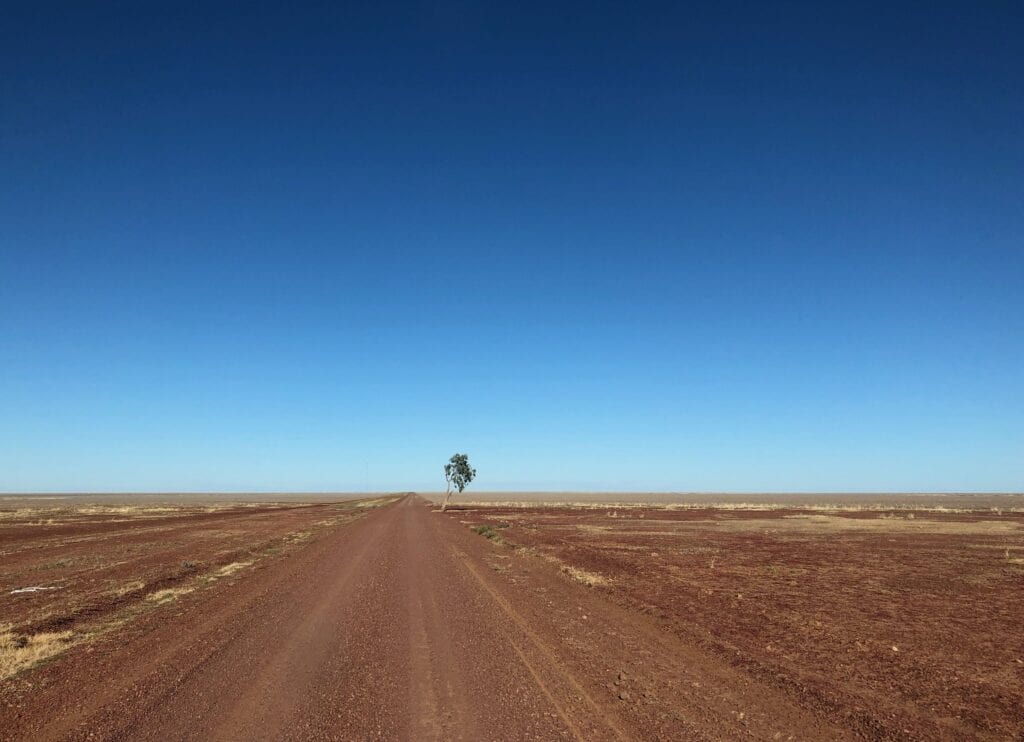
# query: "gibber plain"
[512,616]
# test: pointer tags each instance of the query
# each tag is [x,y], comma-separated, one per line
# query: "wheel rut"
[551,663]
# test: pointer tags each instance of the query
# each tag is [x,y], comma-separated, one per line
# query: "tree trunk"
[447,497]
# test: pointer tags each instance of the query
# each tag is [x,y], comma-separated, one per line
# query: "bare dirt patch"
[897,623]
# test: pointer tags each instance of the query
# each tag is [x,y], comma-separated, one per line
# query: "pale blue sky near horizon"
[598,247]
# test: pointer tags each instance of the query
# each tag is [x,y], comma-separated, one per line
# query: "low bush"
[487,532]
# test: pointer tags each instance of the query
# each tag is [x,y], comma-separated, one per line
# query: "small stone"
[624,695]
[622,675]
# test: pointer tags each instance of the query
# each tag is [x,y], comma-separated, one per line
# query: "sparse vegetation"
[114,580]
[1012,559]
[229,569]
[128,587]
[169,594]
[488,532]
[19,652]
[373,502]
[912,509]
[590,579]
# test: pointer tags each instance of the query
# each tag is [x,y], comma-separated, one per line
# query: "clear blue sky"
[751,246]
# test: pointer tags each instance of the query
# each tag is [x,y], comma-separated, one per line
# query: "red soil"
[401,623]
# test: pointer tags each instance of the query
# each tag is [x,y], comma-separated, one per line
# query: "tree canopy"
[457,473]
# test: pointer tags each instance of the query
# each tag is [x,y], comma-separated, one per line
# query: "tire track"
[553,661]
[294,664]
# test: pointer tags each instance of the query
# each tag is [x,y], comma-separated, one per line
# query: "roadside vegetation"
[107,576]
[457,473]
[19,652]
[488,532]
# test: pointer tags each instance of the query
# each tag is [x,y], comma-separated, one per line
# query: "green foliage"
[488,532]
[458,473]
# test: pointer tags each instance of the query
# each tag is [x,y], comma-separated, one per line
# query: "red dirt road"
[402,624]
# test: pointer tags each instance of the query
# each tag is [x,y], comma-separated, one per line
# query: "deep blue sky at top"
[751,246]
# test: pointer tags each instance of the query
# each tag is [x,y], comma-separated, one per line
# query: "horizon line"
[77,493]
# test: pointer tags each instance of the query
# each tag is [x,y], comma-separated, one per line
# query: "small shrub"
[488,532]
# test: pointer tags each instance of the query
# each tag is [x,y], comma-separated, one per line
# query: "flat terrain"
[385,619]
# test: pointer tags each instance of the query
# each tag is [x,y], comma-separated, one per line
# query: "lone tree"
[457,472]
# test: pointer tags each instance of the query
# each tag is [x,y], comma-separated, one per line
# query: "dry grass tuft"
[590,579]
[229,569]
[128,587]
[125,509]
[611,507]
[374,502]
[818,521]
[19,653]
[166,596]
